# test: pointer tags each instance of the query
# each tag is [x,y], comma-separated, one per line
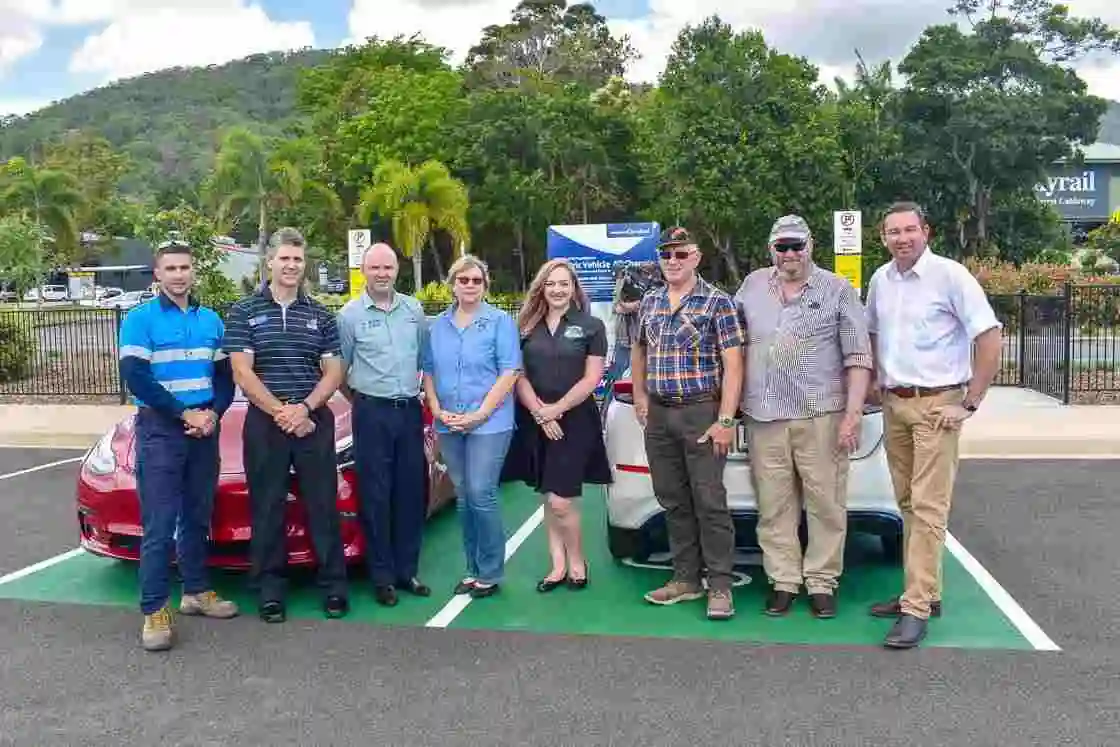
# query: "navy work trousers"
[176,476]
[390,461]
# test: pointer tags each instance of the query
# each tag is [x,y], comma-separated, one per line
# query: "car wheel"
[627,543]
[892,548]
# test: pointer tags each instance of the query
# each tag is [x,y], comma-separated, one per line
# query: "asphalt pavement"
[73,675]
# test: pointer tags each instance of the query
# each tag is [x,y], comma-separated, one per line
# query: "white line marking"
[40,467]
[41,565]
[1006,603]
[459,602]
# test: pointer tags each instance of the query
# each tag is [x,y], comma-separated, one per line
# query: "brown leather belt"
[907,392]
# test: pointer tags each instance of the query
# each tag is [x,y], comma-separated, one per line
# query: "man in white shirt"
[924,314]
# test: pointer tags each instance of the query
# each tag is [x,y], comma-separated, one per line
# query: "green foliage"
[17,349]
[22,257]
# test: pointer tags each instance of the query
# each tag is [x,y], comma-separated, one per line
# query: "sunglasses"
[789,247]
[462,280]
[680,254]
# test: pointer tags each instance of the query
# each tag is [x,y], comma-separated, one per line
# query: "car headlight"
[344,451]
[100,460]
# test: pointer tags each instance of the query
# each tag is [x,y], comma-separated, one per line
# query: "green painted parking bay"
[611,605]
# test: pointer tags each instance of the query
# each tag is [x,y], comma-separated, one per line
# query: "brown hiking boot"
[207,604]
[159,632]
[720,606]
[673,592]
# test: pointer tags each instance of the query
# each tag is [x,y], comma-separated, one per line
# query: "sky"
[52,49]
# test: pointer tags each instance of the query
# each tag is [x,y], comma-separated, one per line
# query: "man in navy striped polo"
[286,358]
[171,361]
[808,369]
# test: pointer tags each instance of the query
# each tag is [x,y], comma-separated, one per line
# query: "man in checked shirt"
[687,372]
[808,370]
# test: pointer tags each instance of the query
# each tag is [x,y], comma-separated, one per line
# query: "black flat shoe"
[385,595]
[273,612]
[579,583]
[907,632]
[546,585]
[415,587]
[481,592]
[336,606]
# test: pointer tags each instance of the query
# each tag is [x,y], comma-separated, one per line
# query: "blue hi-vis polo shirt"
[180,345]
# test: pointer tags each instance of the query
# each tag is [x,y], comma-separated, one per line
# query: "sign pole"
[847,246]
[358,242]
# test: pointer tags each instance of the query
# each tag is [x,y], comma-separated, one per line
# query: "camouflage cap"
[790,228]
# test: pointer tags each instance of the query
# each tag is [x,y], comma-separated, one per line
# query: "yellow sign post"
[847,245]
[359,240]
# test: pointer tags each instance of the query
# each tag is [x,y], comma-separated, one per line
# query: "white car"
[635,520]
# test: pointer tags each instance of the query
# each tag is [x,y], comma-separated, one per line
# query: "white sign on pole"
[847,232]
[359,242]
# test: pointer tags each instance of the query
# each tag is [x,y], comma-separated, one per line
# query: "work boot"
[207,604]
[159,632]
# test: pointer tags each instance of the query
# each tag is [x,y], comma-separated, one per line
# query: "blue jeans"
[474,463]
[176,476]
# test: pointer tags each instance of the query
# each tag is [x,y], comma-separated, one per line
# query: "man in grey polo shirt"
[807,373]
[382,334]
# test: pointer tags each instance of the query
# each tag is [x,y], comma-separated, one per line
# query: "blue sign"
[1076,192]
[593,251]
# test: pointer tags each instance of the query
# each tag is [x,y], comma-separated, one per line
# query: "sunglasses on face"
[789,247]
[678,254]
[462,280]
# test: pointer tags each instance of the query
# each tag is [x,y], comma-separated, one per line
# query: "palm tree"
[418,202]
[49,198]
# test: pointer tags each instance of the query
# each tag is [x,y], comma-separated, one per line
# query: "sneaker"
[159,632]
[208,604]
[673,592]
[720,606]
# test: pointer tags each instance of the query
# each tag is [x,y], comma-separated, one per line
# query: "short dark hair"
[906,206]
[173,247]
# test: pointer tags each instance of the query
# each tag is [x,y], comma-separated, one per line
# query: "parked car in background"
[126,301]
[47,293]
[635,520]
[108,507]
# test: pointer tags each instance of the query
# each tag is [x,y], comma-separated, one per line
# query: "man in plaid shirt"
[687,371]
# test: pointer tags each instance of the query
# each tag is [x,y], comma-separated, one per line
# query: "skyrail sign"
[1076,194]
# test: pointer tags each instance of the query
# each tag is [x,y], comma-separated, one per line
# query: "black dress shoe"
[464,586]
[822,606]
[546,585]
[273,612]
[336,606]
[779,602]
[907,632]
[385,595]
[894,609]
[414,586]
[481,592]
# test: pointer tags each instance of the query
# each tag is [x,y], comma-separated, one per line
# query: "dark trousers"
[269,455]
[688,481]
[176,476]
[390,460]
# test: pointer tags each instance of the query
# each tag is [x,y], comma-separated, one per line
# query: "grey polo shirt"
[381,349]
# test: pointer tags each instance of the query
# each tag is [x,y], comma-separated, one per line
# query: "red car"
[109,508]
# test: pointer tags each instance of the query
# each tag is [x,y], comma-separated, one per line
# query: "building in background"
[1084,194]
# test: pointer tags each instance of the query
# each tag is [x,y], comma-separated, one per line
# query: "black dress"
[553,363]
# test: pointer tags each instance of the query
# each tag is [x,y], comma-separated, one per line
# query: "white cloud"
[19,34]
[454,24]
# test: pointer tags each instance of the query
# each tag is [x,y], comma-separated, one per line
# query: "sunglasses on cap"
[789,246]
[680,254]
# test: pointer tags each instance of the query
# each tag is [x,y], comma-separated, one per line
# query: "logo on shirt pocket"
[573,333]
[313,324]
[256,321]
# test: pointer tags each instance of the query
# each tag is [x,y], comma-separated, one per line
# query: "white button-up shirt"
[925,320]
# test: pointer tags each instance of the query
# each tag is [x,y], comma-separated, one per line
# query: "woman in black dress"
[558,445]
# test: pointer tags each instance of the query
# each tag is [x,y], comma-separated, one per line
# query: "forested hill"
[168,122]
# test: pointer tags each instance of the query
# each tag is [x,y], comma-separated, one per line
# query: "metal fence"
[73,351]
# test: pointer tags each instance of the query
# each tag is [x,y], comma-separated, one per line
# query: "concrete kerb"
[57,426]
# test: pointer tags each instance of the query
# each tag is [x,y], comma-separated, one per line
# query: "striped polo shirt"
[288,342]
[180,345]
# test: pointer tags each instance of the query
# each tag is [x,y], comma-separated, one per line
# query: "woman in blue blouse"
[471,362]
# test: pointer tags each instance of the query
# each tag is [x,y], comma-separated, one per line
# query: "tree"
[549,39]
[51,199]
[186,224]
[991,109]
[21,252]
[98,170]
[417,203]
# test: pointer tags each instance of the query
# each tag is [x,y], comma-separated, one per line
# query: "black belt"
[694,399]
[394,402]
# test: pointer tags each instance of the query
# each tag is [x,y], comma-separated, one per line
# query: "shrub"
[17,348]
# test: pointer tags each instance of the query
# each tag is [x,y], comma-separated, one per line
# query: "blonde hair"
[535,307]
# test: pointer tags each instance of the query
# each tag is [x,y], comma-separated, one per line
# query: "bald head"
[379,266]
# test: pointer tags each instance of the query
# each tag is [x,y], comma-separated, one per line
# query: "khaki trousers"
[923,465]
[796,463]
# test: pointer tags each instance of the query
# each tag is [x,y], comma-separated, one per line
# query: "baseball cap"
[790,228]
[675,236]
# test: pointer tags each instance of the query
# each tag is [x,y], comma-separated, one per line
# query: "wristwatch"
[725,421]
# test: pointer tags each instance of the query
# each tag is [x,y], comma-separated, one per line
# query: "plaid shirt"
[683,348]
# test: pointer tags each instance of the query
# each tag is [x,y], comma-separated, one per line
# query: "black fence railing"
[54,351]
